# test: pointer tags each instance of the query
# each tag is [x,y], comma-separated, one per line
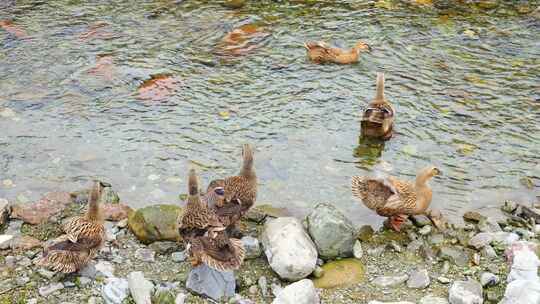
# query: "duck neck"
[247,168]
[379,95]
[423,191]
[93,206]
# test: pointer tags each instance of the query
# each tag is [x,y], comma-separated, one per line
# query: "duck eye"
[219,191]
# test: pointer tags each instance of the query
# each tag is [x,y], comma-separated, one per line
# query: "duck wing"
[241,190]
[219,253]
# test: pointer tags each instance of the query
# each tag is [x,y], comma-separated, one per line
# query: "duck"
[378,118]
[84,236]
[394,198]
[322,52]
[204,236]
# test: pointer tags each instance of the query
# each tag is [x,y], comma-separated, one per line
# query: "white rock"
[488,279]
[180,298]
[252,247]
[288,248]
[5,240]
[178,256]
[429,299]
[522,292]
[418,279]
[525,264]
[357,250]
[507,238]
[140,288]
[480,240]
[301,292]
[45,291]
[105,269]
[145,255]
[390,281]
[378,302]
[7,113]
[465,292]
[115,291]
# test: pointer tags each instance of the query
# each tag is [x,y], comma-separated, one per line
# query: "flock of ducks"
[209,224]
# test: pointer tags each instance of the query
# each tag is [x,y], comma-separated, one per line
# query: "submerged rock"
[332,232]
[465,292]
[288,248]
[155,223]
[301,292]
[341,273]
[115,291]
[211,283]
[140,288]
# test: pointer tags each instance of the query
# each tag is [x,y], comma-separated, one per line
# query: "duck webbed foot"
[397,220]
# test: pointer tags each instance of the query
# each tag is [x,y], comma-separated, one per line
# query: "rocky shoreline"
[322,259]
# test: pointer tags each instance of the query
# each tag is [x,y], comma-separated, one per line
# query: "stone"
[164,295]
[429,299]
[465,292]
[455,255]
[489,252]
[115,290]
[5,211]
[420,220]
[164,247]
[489,224]
[50,205]
[24,242]
[488,279]
[178,257]
[180,298]
[473,216]
[5,241]
[211,283]
[522,291]
[341,273]
[375,251]
[400,302]
[509,206]
[425,230]
[505,238]
[301,292]
[45,291]
[436,239]
[357,250]
[331,231]
[140,288]
[14,227]
[254,290]
[46,273]
[155,223]
[524,262]
[263,286]
[444,280]
[318,272]
[365,233]
[145,255]
[104,269]
[418,279]
[115,212]
[390,281]
[480,240]
[414,246]
[289,250]
[252,247]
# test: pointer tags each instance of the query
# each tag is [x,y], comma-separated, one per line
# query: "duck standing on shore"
[204,236]
[393,198]
[84,237]
[322,52]
[378,117]
[239,192]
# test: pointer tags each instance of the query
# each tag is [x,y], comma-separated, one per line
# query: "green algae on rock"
[341,273]
[155,223]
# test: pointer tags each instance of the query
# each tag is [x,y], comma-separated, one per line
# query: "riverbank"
[425,263]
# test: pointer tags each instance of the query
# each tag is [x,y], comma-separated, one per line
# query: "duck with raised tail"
[378,117]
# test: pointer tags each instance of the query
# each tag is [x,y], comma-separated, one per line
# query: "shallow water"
[464,80]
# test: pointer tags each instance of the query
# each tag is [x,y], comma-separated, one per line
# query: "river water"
[131,91]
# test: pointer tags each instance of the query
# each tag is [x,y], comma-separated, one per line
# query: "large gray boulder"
[288,248]
[211,283]
[332,232]
[301,292]
[466,292]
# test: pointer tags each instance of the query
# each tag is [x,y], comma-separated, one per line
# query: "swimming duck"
[378,118]
[205,237]
[84,237]
[394,198]
[321,52]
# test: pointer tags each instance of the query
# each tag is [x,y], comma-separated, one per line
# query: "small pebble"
[318,272]
[425,230]
[178,256]
[444,280]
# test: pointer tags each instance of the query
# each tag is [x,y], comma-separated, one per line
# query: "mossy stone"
[155,223]
[341,273]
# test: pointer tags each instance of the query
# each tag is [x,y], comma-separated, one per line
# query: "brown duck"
[205,236]
[378,118]
[394,198]
[84,237]
[321,52]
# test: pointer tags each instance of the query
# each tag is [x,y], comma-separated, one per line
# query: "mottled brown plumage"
[394,198]
[378,117]
[205,236]
[242,189]
[321,52]
[84,237]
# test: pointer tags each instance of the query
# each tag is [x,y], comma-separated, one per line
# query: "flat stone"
[365,233]
[115,291]
[506,238]
[252,247]
[155,223]
[457,256]
[41,211]
[418,279]
[45,291]
[489,224]
[341,273]
[357,250]
[5,241]
[331,231]
[379,302]
[488,279]
[24,242]
[444,280]
[115,212]
[420,220]
[390,281]
[301,292]
[145,255]
[180,298]
[5,211]
[425,230]
[140,288]
[429,299]
[436,239]
[46,273]
[104,269]
[489,252]
[290,251]
[211,283]
[465,292]
[263,286]
[164,247]
[480,240]
[178,256]
[473,216]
